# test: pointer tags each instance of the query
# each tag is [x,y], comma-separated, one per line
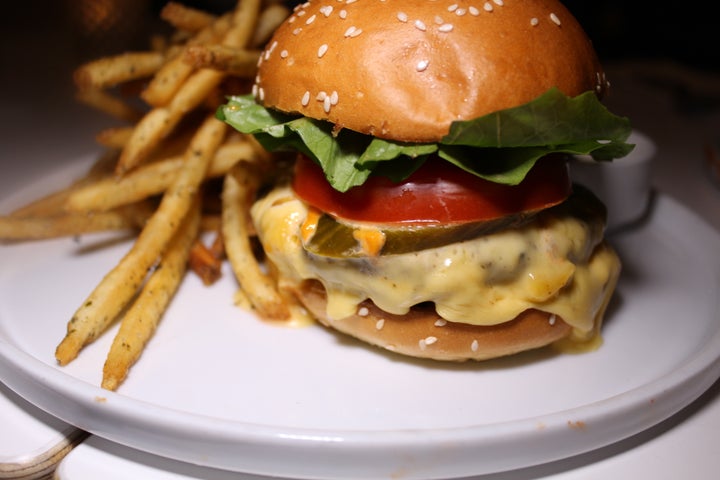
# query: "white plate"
[218,387]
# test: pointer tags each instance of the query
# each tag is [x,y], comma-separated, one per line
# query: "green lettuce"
[501,147]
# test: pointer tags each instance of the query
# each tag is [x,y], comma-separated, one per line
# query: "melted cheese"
[559,265]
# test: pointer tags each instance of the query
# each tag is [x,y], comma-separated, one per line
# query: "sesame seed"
[292,19]
[439,20]
[301,13]
[269,51]
[343,14]
[420,25]
[310,19]
[352,32]
[297,30]
[499,3]
[261,93]
[362,311]
[440,322]
[402,16]
[555,19]
[284,54]
[380,324]
[321,96]
[255,90]
[322,50]
[333,101]
[473,11]
[305,99]
[474,346]
[534,21]
[460,12]
[445,27]
[453,7]
[488,7]
[348,2]
[426,341]
[326,10]
[422,65]
[552,319]
[326,105]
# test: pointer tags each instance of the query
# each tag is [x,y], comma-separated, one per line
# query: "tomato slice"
[438,192]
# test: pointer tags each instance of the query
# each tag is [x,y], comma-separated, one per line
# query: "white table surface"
[679,109]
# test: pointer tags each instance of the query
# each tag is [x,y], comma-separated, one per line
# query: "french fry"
[115,138]
[110,71]
[186,18]
[240,63]
[141,320]
[168,80]
[105,102]
[206,265]
[145,137]
[152,179]
[260,289]
[36,228]
[116,289]
[159,122]
[269,19]
[244,20]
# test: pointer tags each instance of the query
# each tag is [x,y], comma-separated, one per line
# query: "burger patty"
[557,263]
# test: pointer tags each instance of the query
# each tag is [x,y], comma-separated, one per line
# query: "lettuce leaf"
[501,147]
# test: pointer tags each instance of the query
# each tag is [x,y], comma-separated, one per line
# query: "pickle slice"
[337,239]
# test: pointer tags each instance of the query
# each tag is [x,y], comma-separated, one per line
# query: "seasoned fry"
[115,138]
[240,63]
[186,18]
[256,286]
[152,179]
[244,20]
[141,320]
[147,134]
[205,263]
[37,228]
[116,289]
[270,18]
[110,71]
[173,173]
[173,74]
[161,121]
[105,102]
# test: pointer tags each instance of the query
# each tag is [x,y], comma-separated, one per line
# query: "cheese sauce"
[558,265]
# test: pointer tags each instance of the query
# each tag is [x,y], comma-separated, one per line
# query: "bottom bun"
[422,333]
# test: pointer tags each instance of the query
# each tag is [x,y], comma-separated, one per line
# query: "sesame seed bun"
[404,70]
[422,333]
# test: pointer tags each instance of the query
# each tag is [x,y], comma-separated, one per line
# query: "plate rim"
[93,409]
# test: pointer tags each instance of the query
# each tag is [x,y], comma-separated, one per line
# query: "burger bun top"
[404,70]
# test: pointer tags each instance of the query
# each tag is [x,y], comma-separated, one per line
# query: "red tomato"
[438,192]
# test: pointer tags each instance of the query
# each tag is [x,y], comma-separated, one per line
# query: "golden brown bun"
[418,335]
[404,69]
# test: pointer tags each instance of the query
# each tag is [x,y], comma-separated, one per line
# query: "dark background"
[686,32]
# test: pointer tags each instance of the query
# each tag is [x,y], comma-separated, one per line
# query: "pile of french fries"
[174,174]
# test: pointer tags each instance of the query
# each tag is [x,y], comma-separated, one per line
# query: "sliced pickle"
[336,239]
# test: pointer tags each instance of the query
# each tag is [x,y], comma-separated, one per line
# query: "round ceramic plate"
[218,387]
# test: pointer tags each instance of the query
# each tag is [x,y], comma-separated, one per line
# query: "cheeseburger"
[429,210]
